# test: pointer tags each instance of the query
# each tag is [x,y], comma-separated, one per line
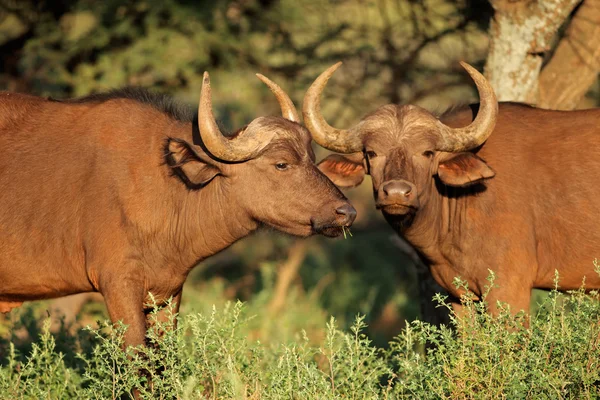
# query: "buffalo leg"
[462,312]
[124,298]
[518,295]
[163,315]
[457,308]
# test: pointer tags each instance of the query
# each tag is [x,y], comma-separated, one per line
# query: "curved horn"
[245,146]
[340,140]
[288,110]
[469,137]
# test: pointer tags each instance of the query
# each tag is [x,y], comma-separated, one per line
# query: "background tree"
[544,53]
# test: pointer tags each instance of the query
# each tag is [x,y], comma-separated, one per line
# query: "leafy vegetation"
[220,353]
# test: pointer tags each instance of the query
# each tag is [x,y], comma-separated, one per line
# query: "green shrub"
[554,354]
[216,355]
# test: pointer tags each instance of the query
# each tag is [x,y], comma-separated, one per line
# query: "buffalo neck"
[438,221]
[203,222]
[207,221]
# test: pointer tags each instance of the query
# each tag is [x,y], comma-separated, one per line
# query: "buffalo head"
[405,149]
[267,168]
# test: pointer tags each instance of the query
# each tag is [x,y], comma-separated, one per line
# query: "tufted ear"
[464,169]
[188,165]
[344,171]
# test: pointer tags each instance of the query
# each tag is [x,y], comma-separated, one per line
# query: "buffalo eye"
[282,166]
[371,154]
[428,153]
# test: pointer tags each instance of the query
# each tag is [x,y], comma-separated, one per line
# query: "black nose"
[397,188]
[348,211]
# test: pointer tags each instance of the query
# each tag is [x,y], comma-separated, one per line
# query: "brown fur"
[110,195]
[525,204]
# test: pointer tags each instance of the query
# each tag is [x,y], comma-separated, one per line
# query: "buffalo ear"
[344,172]
[188,165]
[464,169]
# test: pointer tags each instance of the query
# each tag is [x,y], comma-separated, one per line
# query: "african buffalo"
[523,201]
[124,193]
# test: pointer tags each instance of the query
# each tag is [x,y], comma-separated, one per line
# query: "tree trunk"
[520,33]
[575,64]
[286,274]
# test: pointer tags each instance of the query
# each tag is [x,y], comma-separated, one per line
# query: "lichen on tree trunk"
[575,63]
[520,33]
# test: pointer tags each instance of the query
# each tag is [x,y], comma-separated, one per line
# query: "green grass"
[237,350]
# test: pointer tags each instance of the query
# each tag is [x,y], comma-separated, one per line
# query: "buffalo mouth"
[329,230]
[397,209]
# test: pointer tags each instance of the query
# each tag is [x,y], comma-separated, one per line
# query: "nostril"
[346,210]
[397,189]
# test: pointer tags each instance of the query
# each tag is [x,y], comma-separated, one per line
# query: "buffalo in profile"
[124,193]
[506,187]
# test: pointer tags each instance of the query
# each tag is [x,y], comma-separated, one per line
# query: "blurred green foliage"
[394,50]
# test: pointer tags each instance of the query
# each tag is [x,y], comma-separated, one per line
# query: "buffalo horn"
[472,136]
[245,146]
[339,140]
[288,110]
